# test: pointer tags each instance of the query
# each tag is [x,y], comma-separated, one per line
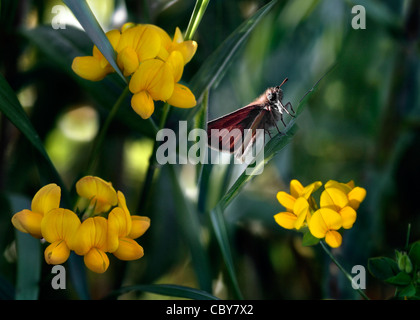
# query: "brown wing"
[227,132]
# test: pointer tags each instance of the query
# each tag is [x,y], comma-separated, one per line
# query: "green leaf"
[221,232]
[414,254]
[217,63]
[400,279]
[408,291]
[28,257]
[191,227]
[12,109]
[272,147]
[309,240]
[167,290]
[382,267]
[87,19]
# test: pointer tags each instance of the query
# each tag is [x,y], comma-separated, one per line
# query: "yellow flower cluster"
[108,226]
[153,60]
[337,209]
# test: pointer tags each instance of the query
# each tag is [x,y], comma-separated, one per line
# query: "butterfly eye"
[271,96]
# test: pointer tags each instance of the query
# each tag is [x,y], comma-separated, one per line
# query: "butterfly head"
[274,95]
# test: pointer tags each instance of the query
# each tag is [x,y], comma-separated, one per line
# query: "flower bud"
[404,262]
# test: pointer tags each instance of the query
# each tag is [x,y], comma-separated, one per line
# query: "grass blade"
[28,258]
[167,290]
[87,19]
[12,109]
[216,64]
[221,232]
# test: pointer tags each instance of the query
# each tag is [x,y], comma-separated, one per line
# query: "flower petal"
[118,223]
[140,224]
[286,200]
[334,239]
[90,68]
[99,192]
[28,221]
[60,224]
[142,103]
[323,220]
[356,196]
[348,214]
[286,220]
[308,190]
[333,198]
[129,250]
[176,62]
[301,210]
[57,252]
[96,260]
[296,188]
[317,225]
[182,97]
[155,77]
[128,61]
[92,233]
[46,199]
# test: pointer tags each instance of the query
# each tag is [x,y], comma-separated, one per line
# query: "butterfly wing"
[227,132]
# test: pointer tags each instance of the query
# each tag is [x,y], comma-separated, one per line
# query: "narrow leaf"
[28,257]
[167,290]
[221,232]
[12,109]
[87,19]
[192,230]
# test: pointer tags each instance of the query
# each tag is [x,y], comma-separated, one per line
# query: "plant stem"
[101,136]
[152,163]
[347,275]
[198,13]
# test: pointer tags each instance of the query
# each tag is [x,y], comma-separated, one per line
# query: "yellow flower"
[123,247]
[101,194]
[45,200]
[336,200]
[137,44]
[96,67]
[186,48]
[123,229]
[59,227]
[355,195]
[153,80]
[182,97]
[294,219]
[324,223]
[90,241]
[297,204]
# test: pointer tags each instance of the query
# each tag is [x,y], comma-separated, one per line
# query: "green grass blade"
[197,15]
[12,109]
[222,236]
[87,19]
[190,224]
[217,63]
[166,290]
[28,258]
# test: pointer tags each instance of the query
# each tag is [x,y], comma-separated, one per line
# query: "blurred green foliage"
[361,124]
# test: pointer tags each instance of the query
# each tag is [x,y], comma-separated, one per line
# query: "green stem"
[152,163]
[347,275]
[198,13]
[101,136]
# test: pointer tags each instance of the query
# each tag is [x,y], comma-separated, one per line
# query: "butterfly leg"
[291,108]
